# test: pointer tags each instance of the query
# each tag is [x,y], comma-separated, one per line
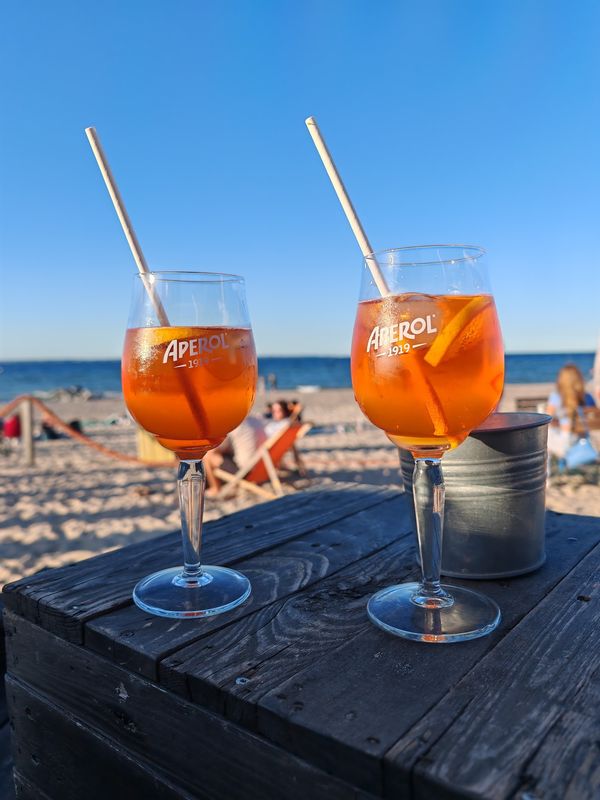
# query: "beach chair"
[262,467]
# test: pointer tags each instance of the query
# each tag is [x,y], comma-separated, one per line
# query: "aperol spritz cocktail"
[189,377]
[189,386]
[428,368]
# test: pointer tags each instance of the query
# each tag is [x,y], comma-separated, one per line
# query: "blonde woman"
[566,405]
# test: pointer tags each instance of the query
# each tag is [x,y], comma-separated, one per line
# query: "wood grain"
[65,598]
[7,786]
[567,764]
[139,641]
[313,700]
[25,790]
[231,670]
[348,709]
[185,744]
[484,736]
[71,761]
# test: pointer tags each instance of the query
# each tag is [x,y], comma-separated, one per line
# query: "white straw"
[123,216]
[432,401]
[346,203]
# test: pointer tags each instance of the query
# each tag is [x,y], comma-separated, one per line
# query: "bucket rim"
[511,421]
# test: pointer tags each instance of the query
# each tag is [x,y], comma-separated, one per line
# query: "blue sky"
[457,120]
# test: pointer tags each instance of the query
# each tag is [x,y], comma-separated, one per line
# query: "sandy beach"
[76,502]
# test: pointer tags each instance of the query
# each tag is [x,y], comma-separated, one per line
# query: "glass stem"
[190,485]
[428,494]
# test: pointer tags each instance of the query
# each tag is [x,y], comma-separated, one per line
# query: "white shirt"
[246,439]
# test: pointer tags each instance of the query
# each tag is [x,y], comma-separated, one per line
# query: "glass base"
[470,616]
[169,594]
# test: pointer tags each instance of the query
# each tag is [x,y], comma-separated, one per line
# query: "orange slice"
[424,389]
[454,328]
[435,410]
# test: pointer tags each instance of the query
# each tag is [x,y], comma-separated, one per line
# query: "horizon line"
[91,359]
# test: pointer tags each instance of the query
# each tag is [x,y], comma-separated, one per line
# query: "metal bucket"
[495,498]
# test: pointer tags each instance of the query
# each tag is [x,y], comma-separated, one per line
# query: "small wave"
[307,388]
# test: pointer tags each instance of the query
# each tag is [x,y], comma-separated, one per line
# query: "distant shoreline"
[287,374]
[517,354]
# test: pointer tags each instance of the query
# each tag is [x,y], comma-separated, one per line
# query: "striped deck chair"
[262,467]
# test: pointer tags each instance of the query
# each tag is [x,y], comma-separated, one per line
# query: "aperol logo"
[389,335]
[192,348]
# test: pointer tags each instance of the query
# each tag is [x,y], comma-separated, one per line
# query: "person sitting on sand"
[280,414]
[237,449]
[567,406]
[47,431]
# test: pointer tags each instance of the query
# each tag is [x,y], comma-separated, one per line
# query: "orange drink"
[427,369]
[189,386]
[189,375]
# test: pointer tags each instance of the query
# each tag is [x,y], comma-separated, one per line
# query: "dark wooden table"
[6,781]
[295,695]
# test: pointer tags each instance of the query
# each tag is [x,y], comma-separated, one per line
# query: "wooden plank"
[567,765]
[494,734]
[25,790]
[232,669]
[2,646]
[68,761]
[186,745]
[139,641]
[65,598]
[3,708]
[344,712]
[7,789]
[7,786]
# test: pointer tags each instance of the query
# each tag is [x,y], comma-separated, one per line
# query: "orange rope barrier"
[80,437]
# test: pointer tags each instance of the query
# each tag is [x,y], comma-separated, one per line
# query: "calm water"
[103,377]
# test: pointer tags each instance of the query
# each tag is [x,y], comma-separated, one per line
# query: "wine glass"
[189,378]
[428,368]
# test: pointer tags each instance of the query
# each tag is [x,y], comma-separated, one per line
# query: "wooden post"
[27,432]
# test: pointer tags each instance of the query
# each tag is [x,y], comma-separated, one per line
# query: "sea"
[103,378]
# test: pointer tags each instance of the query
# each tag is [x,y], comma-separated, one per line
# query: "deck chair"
[262,467]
